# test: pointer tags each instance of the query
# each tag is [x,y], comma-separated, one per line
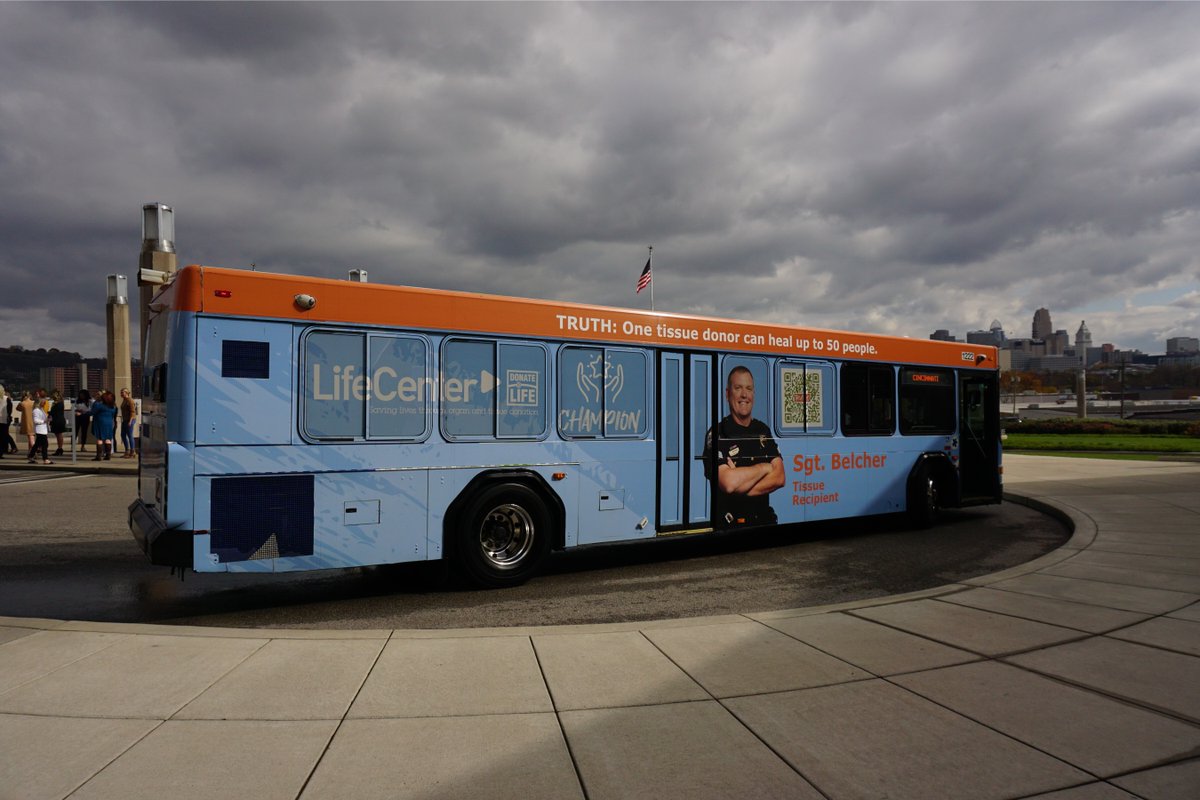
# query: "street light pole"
[117,330]
[1122,372]
[157,263]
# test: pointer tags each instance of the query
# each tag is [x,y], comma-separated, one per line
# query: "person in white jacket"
[41,432]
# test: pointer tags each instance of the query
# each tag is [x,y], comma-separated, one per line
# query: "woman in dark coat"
[104,416]
[58,418]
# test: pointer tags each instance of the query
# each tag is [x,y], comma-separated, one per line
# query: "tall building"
[1183,344]
[1042,329]
[993,336]
[1083,337]
[1058,342]
[998,331]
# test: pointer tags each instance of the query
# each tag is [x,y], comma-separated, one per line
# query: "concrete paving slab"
[1089,791]
[968,628]
[1179,527]
[1180,635]
[748,657]
[505,757]
[1191,612]
[47,758]
[682,750]
[1145,548]
[1158,679]
[454,677]
[1046,714]
[1126,576]
[1067,614]
[37,623]
[12,634]
[603,670]
[1172,782]
[876,648]
[201,759]
[290,679]
[42,652]
[1140,534]
[1098,593]
[874,739]
[1151,563]
[136,677]
[789,613]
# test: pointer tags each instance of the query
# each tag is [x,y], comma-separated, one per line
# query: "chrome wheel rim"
[506,536]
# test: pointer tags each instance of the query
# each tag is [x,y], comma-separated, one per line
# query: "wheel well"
[525,477]
[943,474]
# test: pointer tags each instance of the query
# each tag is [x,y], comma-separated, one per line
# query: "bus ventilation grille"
[245,359]
[257,518]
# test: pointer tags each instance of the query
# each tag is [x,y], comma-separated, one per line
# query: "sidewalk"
[83,463]
[1075,677]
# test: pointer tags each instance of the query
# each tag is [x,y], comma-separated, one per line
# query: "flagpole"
[651,260]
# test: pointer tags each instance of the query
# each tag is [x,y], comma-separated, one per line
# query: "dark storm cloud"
[893,167]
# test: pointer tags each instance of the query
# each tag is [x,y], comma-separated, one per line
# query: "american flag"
[644,279]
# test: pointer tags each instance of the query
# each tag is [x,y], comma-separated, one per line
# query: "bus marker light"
[558,476]
[304,302]
[222,293]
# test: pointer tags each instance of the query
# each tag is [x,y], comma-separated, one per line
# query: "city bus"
[293,423]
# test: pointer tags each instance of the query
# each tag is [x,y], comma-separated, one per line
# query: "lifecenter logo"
[385,384]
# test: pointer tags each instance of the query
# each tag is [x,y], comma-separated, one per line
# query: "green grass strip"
[1067,442]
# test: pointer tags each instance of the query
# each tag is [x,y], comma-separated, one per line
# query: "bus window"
[806,398]
[521,393]
[926,401]
[759,374]
[334,386]
[468,388]
[399,397]
[625,394]
[601,393]
[868,399]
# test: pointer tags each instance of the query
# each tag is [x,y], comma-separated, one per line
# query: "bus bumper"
[168,547]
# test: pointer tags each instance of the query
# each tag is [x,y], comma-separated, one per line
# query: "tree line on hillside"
[19,366]
[1181,382]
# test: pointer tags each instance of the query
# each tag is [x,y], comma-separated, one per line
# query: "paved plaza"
[1073,677]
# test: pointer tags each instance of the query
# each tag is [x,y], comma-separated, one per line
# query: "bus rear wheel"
[923,503]
[504,536]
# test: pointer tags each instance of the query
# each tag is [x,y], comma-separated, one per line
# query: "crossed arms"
[751,480]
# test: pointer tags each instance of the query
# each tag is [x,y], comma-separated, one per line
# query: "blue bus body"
[279,444]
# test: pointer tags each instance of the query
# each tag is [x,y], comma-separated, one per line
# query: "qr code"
[802,398]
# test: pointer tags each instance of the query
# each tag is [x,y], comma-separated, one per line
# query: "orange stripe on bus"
[267,295]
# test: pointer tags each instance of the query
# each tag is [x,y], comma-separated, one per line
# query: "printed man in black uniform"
[748,463]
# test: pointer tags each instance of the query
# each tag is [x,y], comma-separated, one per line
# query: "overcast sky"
[890,168]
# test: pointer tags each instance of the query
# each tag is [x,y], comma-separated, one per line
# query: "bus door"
[685,408]
[979,432]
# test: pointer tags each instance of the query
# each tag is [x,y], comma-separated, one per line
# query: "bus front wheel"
[504,536]
[923,502]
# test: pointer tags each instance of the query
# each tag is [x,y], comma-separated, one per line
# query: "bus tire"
[504,536]
[923,498]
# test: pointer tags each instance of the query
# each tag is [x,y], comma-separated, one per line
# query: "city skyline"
[889,168]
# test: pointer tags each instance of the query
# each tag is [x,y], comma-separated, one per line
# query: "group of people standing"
[37,416]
